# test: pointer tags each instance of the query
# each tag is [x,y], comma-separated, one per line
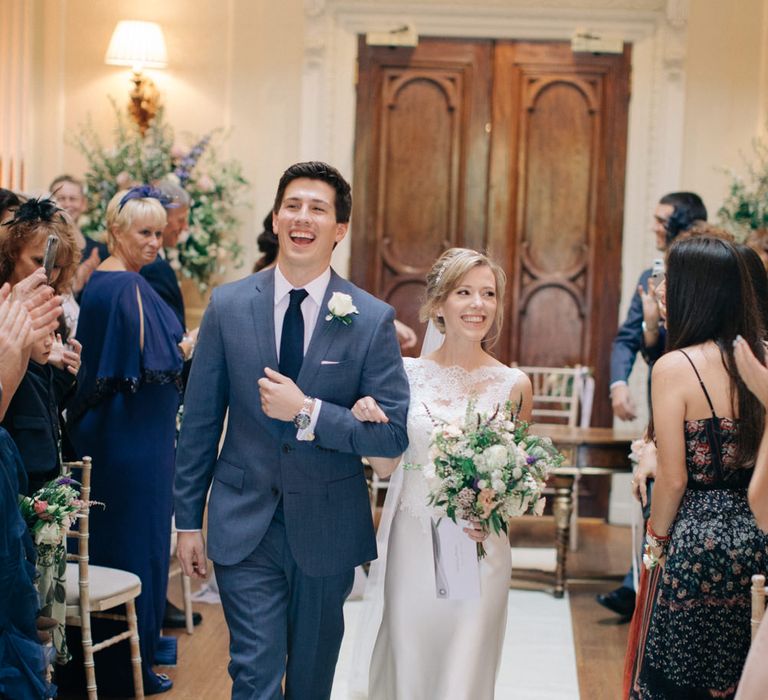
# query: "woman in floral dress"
[704,541]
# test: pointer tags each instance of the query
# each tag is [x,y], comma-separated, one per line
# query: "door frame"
[656,113]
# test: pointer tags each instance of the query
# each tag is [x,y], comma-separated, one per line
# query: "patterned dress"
[699,631]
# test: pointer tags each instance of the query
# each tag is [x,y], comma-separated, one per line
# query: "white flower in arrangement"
[50,533]
[498,485]
[517,472]
[495,456]
[341,307]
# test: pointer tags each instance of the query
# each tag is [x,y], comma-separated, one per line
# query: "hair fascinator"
[34,210]
[146,192]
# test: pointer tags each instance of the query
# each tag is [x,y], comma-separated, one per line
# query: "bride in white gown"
[428,648]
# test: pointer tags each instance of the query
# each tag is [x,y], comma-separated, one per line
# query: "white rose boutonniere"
[341,308]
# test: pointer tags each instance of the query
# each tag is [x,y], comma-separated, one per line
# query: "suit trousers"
[281,621]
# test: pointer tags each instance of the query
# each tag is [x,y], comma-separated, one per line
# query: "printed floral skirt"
[699,631]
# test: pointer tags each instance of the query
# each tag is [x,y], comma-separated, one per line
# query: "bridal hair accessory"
[341,308]
[34,210]
[440,272]
[146,192]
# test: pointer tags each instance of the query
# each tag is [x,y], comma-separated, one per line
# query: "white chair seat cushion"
[103,582]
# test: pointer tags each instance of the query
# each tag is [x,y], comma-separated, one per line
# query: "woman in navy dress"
[124,416]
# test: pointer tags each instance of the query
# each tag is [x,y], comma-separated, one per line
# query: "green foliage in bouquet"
[746,208]
[215,188]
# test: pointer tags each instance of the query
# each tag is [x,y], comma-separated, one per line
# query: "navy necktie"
[292,338]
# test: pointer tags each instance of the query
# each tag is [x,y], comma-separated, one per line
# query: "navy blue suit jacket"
[629,339]
[328,521]
[162,278]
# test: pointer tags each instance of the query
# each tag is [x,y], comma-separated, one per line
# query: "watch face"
[302,420]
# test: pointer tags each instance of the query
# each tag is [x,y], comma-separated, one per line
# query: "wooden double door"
[514,148]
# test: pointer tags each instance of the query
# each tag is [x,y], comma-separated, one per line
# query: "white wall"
[725,96]
[242,63]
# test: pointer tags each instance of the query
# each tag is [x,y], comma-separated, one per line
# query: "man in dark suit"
[676,212]
[288,515]
[159,273]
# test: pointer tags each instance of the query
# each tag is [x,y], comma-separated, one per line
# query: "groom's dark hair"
[315,170]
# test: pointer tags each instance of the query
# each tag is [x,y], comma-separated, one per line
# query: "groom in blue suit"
[288,352]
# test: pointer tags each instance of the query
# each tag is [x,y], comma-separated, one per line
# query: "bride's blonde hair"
[446,274]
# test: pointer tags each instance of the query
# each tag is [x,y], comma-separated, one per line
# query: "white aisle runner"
[538,661]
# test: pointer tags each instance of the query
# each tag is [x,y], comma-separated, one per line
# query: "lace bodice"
[445,391]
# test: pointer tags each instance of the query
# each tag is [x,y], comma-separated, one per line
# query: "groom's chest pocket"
[336,380]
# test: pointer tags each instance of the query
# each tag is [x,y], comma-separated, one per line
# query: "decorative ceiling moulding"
[634,20]
[655,141]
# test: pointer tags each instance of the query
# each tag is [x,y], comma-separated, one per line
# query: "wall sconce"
[139,45]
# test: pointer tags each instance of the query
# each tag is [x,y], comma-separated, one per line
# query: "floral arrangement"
[50,512]
[488,469]
[215,189]
[746,208]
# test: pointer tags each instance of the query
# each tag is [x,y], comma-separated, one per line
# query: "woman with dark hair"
[703,543]
[268,245]
[124,416]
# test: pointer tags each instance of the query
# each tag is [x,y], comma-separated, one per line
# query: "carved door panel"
[556,203]
[421,158]
[513,147]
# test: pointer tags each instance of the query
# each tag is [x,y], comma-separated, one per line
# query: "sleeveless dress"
[124,416]
[698,636]
[429,648]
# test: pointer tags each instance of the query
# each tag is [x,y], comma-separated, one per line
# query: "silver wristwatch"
[304,417]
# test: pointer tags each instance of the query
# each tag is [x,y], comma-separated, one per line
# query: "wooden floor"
[201,673]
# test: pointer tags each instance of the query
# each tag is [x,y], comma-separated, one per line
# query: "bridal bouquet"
[488,469]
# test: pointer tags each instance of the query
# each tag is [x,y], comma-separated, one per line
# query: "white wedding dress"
[429,648]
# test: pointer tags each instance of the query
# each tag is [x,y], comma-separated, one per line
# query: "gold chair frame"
[83,604]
